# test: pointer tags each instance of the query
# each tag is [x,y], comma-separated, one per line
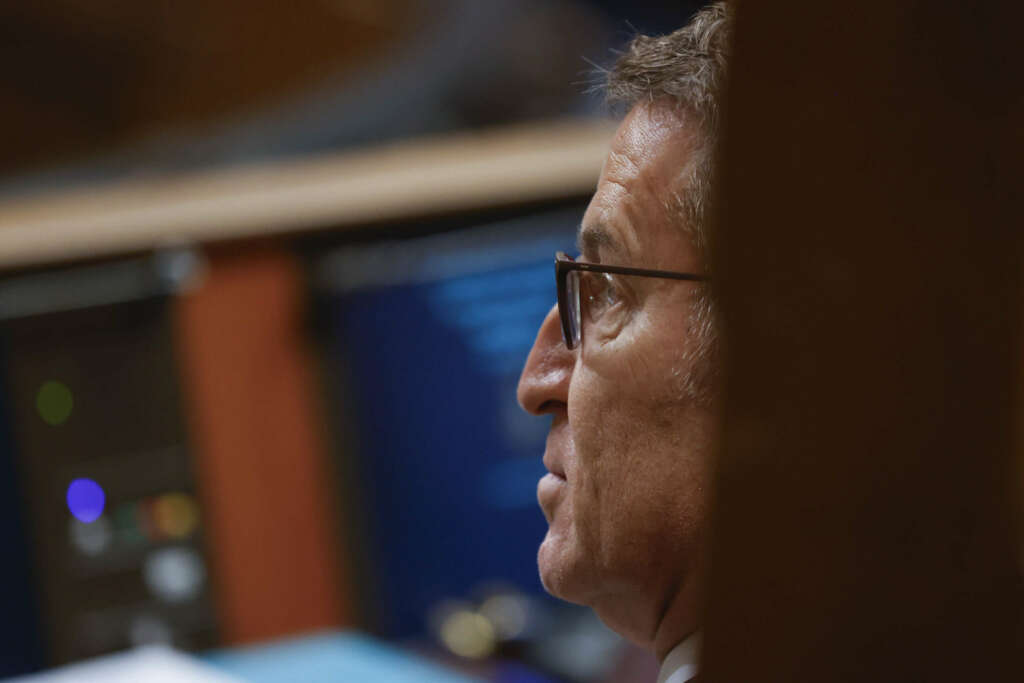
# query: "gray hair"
[687,67]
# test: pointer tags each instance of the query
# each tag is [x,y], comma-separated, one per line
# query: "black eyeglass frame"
[564,264]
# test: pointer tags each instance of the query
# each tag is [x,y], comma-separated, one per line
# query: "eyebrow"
[592,238]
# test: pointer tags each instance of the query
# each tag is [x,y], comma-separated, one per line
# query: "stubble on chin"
[559,564]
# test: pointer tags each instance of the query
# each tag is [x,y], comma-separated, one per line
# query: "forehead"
[628,219]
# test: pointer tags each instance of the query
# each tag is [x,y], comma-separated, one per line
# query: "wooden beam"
[518,164]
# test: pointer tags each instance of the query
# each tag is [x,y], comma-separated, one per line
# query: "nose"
[544,384]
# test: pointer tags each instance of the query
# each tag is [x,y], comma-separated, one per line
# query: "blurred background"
[268,274]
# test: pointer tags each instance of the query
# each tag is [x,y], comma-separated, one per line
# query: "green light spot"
[54,402]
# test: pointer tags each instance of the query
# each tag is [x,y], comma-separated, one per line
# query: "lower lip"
[548,489]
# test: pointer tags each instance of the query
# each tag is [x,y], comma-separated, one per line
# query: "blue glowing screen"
[432,355]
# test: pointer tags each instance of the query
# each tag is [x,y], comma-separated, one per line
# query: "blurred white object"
[174,574]
[152,664]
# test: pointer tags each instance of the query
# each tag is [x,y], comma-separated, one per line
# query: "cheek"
[638,452]
[609,433]
[618,395]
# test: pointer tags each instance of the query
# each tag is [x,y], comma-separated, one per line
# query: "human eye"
[602,292]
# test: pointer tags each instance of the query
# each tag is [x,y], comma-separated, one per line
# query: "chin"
[567,576]
[562,570]
[568,573]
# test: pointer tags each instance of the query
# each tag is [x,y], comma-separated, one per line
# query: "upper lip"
[553,467]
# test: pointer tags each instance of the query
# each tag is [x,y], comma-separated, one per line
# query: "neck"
[678,621]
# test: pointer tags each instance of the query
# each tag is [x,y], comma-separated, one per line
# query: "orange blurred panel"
[260,449]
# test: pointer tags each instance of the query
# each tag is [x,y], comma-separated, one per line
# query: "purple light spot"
[86,500]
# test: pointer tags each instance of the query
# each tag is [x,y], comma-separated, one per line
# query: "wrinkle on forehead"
[651,152]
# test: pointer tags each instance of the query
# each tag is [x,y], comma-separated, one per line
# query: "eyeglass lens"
[572,285]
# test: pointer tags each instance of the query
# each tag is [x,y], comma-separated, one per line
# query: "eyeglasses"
[567,281]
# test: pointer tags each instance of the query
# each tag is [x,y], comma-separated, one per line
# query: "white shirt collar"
[681,663]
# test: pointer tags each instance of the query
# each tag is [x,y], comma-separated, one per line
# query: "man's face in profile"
[629,445]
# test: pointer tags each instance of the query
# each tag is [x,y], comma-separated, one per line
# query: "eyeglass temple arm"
[624,270]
